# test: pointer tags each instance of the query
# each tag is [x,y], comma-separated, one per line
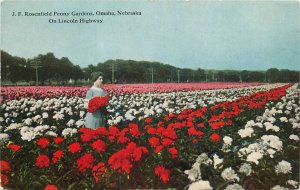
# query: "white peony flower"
[118,119]
[296,125]
[283,119]
[200,185]
[247,132]
[45,115]
[110,122]
[159,111]
[260,125]
[27,133]
[292,183]
[79,123]
[278,187]
[234,186]
[4,137]
[70,122]
[227,140]
[36,118]
[68,132]
[194,173]
[129,117]
[271,152]
[229,175]
[41,128]
[283,167]
[254,157]
[15,114]
[272,141]
[28,121]
[32,109]
[271,119]
[246,169]
[203,159]
[270,126]
[243,151]
[53,128]
[250,123]
[13,126]
[217,160]
[294,137]
[50,133]
[58,116]
[81,114]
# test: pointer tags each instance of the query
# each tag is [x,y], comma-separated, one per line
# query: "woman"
[95,119]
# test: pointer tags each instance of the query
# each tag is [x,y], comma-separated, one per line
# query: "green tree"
[272,75]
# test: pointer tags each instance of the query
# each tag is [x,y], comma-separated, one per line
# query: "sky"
[238,35]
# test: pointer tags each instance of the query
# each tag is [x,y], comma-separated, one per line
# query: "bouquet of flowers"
[97,103]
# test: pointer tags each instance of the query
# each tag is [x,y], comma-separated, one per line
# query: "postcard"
[150,94]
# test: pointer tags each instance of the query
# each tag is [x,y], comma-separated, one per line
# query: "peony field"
[185,136]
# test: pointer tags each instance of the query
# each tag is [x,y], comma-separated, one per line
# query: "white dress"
[96,119]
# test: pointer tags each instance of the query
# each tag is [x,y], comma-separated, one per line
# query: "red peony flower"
[99,145]
[134,130]
[193,131]
[122,139]
[57,155]
[215,137]
[119,161]
[166,118]
[98,171]
[167,141]
[158,149]
[162,173]
[51,187]
[87,134]
[4,166]
[113,133]
[102,131]
[42,161]
[217,124]
[84,162]
[14,147]
[58,140]
[74,147]
[160,124]
[174,152]
[122,136]
[200,124]
[154,141]
[170,133]
[229,122]
[152,130]
[122,160]
[97,103]
[137,153]
[148,120]
[43,142]
[4,179]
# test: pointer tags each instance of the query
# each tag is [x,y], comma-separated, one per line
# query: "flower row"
[263,154]
[62,116]
[135,155]
[15,93]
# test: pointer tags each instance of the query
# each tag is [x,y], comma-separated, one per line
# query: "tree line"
[47,69]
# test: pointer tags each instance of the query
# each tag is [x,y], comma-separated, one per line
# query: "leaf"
[70,186]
